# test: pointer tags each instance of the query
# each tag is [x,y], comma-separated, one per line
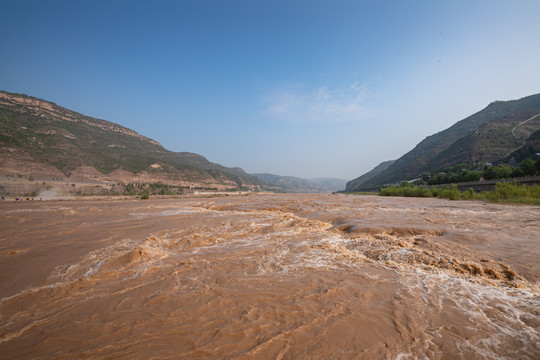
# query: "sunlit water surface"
[269,277]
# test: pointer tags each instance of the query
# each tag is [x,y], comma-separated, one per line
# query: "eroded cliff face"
[44,109]
[41,140]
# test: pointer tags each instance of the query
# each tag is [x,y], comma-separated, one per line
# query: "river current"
[269,277]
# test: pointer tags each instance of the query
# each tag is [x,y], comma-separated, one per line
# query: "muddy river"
[269,277]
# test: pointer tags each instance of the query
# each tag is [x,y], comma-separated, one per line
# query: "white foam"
[498,308]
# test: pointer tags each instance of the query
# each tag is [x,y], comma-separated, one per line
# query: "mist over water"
[269,276]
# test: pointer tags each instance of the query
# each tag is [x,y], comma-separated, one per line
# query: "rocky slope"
[531,148]
[358,182]
[486,136]
[41,140]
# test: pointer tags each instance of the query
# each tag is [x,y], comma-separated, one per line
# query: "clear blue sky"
[301,88]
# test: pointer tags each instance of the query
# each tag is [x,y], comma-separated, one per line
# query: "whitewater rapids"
[269,277]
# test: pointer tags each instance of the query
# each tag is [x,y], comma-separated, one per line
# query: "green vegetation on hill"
[53,135]
[460,173]
[491,134]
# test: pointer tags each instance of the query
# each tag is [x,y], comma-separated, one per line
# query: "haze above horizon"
[302,88]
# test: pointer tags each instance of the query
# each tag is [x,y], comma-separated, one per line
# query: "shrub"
[449,192]
[471,176]
[509,190]
[389,191]
[145,195]
[528,167]
[498,172]
[468,194]
[419,191]
[503,192]
[406,190]
[534,191]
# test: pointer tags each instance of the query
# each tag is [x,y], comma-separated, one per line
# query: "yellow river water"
[269,277]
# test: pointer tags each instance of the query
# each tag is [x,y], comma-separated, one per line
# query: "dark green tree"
[498,172]
[528,167]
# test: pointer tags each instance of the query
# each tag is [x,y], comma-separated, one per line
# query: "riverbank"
[502,192]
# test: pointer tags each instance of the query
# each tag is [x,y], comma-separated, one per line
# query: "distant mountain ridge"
[41,139]
[483,137]
[329,184]
[293,184]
